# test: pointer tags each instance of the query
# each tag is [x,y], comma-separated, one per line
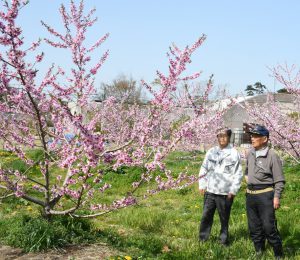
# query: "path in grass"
[86,252]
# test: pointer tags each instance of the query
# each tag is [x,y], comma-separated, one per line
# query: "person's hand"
[230,196]
[276,203]
[202,191]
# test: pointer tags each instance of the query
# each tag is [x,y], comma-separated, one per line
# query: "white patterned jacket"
[221,171]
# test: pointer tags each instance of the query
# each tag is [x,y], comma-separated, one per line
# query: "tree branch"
[118,148]
[65,212]
[34,200]
[7,196]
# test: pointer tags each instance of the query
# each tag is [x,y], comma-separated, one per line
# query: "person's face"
[223,140]
[258,141]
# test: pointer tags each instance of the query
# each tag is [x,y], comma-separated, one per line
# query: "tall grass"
[34,233]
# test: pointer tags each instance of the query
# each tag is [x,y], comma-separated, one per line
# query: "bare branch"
[64,212]
[7,196]
[34,200]
[118,148]
[36,182]
[3,187]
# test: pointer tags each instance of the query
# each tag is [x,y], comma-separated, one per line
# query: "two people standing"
[220,180]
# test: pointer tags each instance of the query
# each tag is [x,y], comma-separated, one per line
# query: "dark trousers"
[211,203]
[262,221]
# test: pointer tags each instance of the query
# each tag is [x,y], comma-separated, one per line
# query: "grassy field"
[165,226]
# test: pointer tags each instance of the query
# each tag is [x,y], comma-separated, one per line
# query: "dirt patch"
[86,252]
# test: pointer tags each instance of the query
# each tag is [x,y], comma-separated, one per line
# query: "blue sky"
[244,38]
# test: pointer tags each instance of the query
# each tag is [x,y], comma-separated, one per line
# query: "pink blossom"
[54,115]
[39,57]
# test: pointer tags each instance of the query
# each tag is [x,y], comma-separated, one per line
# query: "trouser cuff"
[259,247]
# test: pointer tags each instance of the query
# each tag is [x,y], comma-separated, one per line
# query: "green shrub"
[37,234]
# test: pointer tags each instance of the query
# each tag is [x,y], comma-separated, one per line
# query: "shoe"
[259,253]
[259,250]
[224,243]
[278,252]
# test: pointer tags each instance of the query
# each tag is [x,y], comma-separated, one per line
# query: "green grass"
[34,233]
[165,226]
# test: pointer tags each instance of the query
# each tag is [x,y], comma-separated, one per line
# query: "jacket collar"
[260,153]
[222,153]
[226,149]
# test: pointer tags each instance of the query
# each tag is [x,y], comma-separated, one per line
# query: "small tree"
[255,89]
[282,90]
[68,176]
[250,90]
[123,89]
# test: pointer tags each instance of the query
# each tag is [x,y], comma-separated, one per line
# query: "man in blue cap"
[265,183]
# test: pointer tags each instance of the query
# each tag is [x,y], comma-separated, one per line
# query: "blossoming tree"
[284,124]
[36,115]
